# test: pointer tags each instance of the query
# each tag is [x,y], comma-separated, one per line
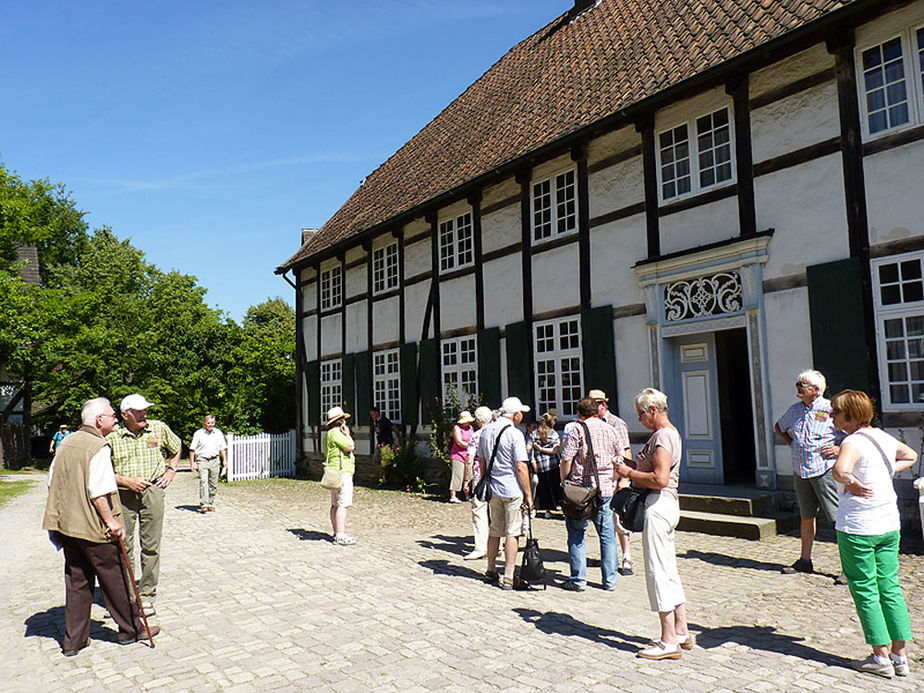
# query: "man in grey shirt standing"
[509,486]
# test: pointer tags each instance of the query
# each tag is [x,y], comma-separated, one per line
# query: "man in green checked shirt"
[145,454]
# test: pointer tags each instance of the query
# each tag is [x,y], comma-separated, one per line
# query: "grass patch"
[10,489]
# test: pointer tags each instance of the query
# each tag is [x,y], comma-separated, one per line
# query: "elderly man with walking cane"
[84,517]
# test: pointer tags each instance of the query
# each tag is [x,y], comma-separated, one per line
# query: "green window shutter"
[409,384]
[363,383]
[599,351]
[348,383]
[313,385]
[519,349]
[839,346]
[429,376]
[489,373]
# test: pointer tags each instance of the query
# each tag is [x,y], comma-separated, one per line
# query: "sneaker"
[626,567]
[454,499]
[659,650]
[871,666]
[800,566]
[840,579]
[344,540]
[572,586]
[474,556]
[901,666]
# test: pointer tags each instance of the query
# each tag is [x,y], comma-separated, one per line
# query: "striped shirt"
[622,431]
[606,450]
[811,428]
[143,455]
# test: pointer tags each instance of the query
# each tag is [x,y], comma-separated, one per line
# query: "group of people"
[105,482]
[844,467]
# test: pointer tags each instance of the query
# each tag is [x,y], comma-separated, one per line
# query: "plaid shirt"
[606,450]
[143,455]
[622,431]
[811,428]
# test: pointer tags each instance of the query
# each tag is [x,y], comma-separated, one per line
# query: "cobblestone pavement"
[255,597]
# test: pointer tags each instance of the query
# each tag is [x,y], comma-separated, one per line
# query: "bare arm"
[457,437]
[904,457]
[843,471]
[782,434]
[656,479]
[523,478]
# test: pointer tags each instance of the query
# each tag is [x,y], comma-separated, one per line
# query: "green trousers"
[871,567]
[146,510]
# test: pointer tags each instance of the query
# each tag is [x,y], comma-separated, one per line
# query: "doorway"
[736,414]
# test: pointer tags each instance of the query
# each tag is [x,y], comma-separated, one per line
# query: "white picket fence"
[261,456]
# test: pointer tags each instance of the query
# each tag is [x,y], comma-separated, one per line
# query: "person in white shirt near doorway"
[209,452]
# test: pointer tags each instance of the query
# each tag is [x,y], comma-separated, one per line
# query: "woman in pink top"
[657,468]
[461,434]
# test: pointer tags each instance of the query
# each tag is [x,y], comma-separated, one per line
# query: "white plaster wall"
[457,303]
[895,193]
[503,190]
[784,72]
[415,227]
[310,295]
[356,281]
[415,305]
[805,205]
[356,327]
[309,335]
[385,318]
[614,248]
[354,253]
[616,187]
[454,210]
[888,26]
[694,107]
[556,281]
[552,167]
[633,366]
[611,143]
[503,291]
[805,118]
[789,351]
[501,228]
[417,258]
[330,334]
[716,221]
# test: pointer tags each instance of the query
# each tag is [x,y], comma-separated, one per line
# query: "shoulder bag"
[532,572]
[582,502]
[332,479]
[629,504]
[483,487]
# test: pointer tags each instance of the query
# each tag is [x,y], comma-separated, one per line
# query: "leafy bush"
[402,467]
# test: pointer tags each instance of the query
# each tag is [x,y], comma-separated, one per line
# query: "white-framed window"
[891,82]
[385,268]
[558,365]
[460,368]
[331,287]
[689,165]
[554,206]
[898,286]
[386,383]
[457,247]
[331,385]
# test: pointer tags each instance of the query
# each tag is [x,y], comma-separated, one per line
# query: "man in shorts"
[808,429]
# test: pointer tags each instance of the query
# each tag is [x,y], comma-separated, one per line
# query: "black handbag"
[532,571]
[483,487]
[629,505]
[582,502]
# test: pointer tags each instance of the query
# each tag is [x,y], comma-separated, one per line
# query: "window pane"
[895,349]
[898,372]
[916,369]
[898,115]
[912,291]
[914,325]
[911,269]
[877,121]
[890,294]
[898,394]
[888,273]
[917,392]
[894,328]
[916,348]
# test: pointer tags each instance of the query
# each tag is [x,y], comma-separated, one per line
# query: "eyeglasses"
[803,385]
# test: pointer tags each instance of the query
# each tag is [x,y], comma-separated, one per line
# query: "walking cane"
[131,575]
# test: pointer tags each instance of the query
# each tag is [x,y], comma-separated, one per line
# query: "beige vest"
[69,509]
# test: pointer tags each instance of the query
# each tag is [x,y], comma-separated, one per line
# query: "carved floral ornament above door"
[703,296]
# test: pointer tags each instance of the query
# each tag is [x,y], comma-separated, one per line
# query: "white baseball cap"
[134,401]
[512,405]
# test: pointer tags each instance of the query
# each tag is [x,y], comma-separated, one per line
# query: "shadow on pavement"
[444,567]
[565,624]
[189,508]
[731,561]
[47,624]
[460,546]
[310,534]
[765,638]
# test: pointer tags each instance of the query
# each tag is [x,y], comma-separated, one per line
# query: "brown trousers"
[85,562]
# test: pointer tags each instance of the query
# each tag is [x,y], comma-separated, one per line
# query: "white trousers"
[661,517]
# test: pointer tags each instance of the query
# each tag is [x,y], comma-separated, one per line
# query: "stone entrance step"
[732,511]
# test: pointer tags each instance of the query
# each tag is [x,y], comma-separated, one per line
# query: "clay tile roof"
[566,76]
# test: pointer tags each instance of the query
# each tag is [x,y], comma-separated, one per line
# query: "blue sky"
[211,132]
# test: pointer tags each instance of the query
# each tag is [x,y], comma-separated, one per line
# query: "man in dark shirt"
[386,433]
